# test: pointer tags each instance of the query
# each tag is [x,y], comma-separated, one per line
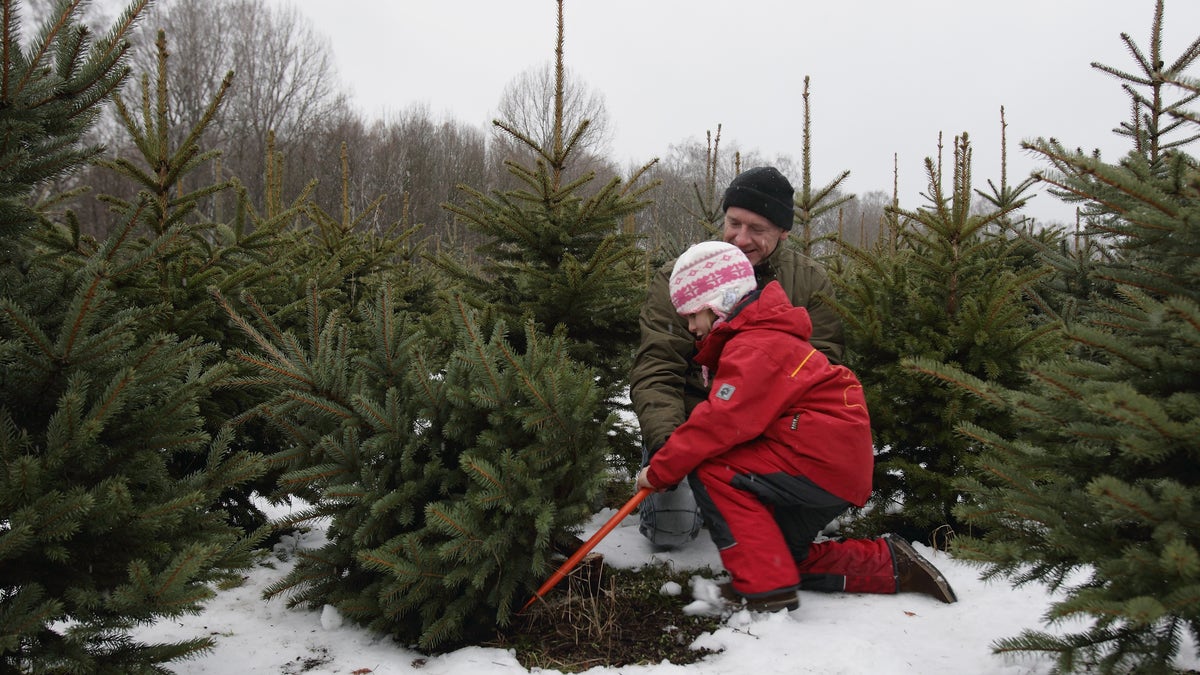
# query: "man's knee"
[670,519]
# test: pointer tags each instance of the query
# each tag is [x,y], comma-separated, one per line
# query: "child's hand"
[643,482]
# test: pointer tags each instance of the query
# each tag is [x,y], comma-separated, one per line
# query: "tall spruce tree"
[109,477]
[943,286]
[1098,491]
[272,251]
[810,203]
[570,263]
[184,252]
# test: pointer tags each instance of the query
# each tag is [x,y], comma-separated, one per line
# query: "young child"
[780,448]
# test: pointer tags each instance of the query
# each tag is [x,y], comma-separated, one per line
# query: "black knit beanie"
[764,191]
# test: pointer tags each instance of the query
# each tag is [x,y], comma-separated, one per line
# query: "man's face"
[754,234]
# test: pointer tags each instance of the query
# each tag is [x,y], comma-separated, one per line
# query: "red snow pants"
[764,521]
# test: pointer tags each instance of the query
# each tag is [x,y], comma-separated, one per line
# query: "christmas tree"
[270,252]
[1097,491]
[943,286]
[570,263]
[448,479]
[110,477]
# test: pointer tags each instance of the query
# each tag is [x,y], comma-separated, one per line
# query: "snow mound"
[331,619]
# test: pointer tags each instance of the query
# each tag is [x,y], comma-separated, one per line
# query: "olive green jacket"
[664,384]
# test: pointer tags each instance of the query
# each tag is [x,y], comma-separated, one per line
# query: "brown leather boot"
[915,574]
[771,602]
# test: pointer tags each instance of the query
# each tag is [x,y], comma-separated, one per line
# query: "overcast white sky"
[887,76]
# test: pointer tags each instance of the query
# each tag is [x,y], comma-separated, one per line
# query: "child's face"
[700,323]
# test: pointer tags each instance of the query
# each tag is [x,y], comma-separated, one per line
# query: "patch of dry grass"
[607,617]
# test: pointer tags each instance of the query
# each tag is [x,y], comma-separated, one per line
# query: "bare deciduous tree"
[284,81]
[421,160]
[686,206]
[859,221]
[527,105]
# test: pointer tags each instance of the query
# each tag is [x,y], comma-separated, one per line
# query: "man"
[665,385]
[781,446]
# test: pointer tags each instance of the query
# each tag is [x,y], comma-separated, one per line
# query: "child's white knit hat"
[711,274]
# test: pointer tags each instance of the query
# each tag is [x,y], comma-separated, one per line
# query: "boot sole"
[947,593]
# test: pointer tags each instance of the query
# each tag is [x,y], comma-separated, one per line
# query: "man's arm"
[656,381]
[807,285]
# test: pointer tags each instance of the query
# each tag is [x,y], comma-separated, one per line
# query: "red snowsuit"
[781,446]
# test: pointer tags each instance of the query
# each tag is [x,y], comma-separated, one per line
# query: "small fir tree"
[568,262]
[944,287]
[271,251]
[448,480]
[183,252]
[110,478]
[1098,492]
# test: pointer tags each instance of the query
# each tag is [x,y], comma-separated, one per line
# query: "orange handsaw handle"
[588,545]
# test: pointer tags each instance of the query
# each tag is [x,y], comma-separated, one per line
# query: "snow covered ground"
[829,634]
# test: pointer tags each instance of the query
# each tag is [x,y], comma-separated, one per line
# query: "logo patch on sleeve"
[726,392]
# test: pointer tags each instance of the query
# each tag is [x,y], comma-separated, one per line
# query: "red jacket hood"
[766,309]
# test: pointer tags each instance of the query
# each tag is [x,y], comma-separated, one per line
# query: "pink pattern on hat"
[711,274]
